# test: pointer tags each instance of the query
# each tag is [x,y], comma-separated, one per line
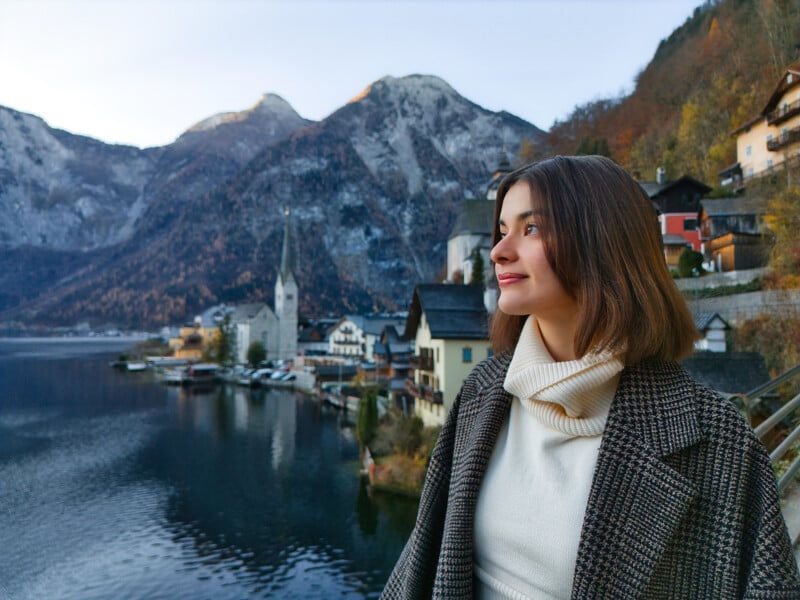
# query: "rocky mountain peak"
[269,106]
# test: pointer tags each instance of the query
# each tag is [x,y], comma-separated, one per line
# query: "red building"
[678,205]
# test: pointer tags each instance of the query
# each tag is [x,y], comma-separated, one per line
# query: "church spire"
[286,255]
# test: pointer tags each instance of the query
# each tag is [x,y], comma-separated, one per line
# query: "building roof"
[783,86]
[452,311]
[728,372]
[674,239]
[475,218]
[374,324]
[735,205]
[704,320]
[654,189]
[246,312]
[346,371]
[211,317]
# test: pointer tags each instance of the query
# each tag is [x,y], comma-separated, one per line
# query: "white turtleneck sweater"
[533,497]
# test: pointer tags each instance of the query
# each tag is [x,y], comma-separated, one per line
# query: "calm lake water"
[114,486]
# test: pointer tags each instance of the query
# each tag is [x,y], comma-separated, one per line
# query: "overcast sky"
[142,71]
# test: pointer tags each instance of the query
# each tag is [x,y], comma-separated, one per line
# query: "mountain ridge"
[374,188]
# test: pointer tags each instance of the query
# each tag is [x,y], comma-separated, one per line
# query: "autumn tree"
[783,221]
[223,346]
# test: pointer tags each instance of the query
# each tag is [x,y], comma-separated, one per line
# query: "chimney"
[661,175]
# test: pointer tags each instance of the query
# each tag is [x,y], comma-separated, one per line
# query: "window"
[689,224]
[748,150]
[769,138]
[769,163]
[466,354]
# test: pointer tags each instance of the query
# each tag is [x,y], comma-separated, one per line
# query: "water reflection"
[114,486]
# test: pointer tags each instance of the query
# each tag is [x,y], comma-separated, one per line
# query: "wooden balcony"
[420,363]
[781,114]
[412,389]
[785,139]
[425,392]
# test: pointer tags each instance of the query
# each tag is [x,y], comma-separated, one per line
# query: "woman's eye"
[531,229]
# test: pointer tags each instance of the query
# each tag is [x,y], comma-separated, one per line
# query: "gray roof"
[245,312]
[475,218]
[703,320]
[653,188]
[452,311]
[737,205]
[674,239]
[728,372]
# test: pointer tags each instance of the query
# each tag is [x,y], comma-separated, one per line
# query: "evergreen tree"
[477,268]
[690,263]
[367,418]
[256,354]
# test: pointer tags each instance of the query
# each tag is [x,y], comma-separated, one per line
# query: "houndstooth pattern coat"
[683,503]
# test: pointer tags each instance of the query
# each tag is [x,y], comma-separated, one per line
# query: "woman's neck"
[558,337]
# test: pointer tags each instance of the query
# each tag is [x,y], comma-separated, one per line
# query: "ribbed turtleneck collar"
[569,396]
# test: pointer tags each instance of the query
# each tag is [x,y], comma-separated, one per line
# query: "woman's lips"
[509,278]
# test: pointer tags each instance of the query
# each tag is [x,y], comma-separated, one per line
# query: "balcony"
[412,389]
[783,113]
[425,392]
[790,137]
[420,363]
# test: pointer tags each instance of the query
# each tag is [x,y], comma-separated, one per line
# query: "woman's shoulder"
[678,390]
[488,373]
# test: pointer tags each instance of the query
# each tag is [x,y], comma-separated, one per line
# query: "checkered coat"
[683,503]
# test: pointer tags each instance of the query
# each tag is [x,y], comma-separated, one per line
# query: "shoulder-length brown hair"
[601,238]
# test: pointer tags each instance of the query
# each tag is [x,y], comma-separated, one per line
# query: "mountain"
[373,191]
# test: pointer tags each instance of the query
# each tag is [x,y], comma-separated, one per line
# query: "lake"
[113,485]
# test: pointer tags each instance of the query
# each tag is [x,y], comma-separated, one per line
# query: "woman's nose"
[502,251]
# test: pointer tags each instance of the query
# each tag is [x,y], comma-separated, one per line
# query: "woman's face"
[528,285]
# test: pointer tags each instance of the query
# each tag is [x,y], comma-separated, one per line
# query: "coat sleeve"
[415,570]
[769,565]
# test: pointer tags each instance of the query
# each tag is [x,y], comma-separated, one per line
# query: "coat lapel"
[636,500]
[478,438]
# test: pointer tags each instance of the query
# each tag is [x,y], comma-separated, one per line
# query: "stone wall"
[741,307]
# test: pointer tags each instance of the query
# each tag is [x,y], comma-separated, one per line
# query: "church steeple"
[286,255]
[286,297]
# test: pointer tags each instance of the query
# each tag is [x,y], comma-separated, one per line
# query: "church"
[276,330]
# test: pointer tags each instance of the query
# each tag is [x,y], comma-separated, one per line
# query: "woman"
[581,461]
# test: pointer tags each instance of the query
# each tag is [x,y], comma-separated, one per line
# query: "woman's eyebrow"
[522,216]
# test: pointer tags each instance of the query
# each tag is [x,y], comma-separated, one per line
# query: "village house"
[731,233]
[449,326]
[677,203]
[355,336]
[312,339]
[195,339]
[771,139]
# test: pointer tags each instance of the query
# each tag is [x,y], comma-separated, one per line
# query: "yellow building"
[449,326]
[194,340]
[772,138]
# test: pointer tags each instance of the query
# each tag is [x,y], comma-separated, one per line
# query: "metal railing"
[753,399]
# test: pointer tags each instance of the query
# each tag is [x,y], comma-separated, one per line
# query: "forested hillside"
[710,76]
